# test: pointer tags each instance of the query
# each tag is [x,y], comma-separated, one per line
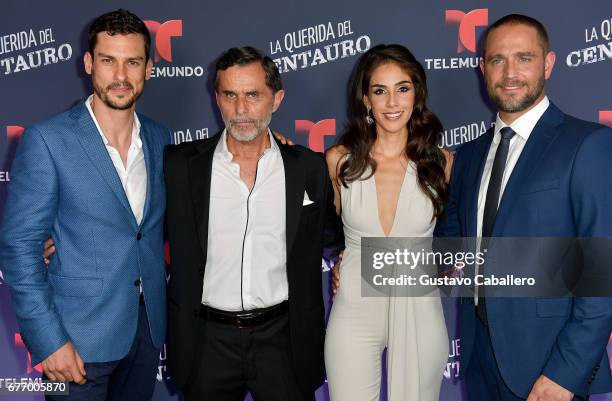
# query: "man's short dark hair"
[248,55]
[518,19]
[120,22]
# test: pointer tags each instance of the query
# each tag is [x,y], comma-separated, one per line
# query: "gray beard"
[261,126]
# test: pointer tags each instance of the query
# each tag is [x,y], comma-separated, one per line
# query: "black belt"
[244,319]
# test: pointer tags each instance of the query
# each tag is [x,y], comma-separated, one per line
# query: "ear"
[482,65]
[148,69]
[88,62]
[549,63]
[278,99]
[366,102]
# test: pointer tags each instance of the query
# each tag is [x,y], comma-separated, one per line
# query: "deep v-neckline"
[397,202]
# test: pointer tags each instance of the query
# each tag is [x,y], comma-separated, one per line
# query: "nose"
[510,69]
[120,72]
[241,105]
[392,99]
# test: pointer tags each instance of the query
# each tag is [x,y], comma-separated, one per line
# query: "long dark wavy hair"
[424,128]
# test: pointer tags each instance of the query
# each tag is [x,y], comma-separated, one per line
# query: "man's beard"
[513,104]
[259,126]
[125,103]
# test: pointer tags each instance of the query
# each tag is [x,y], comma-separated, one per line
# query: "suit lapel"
[91,141]
[147,148]
[478,161]
[538,143]
[294,192]
[200,172]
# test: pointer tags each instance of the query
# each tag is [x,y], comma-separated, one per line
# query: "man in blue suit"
[538,173]
[91,178]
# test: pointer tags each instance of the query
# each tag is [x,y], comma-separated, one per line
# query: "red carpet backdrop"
[315,45]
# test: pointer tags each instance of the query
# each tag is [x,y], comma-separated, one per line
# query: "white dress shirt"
[523,127]
[133,176]
[246,266]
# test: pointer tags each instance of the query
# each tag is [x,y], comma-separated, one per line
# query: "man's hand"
[65,364]
[545,389]
[336,275]
[48,250]
[283,139]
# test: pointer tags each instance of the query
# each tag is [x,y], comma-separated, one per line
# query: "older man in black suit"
[247,221]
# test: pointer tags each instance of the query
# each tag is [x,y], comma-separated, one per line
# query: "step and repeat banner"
[315,44]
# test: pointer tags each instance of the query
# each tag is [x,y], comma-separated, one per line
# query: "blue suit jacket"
[64,184]
[560,187]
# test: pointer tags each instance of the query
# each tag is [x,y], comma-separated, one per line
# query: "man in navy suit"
[538,173]
[91,178]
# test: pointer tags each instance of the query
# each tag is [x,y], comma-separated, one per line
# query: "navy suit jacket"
[64,185]
[560,187]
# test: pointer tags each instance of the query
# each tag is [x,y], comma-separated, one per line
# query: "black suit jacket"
[187,170]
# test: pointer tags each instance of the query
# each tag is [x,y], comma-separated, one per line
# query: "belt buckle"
[242,321]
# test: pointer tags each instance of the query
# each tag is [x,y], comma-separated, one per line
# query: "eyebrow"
[519,54]
[113,57]
[523,54]
[397,84]
[246,92]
